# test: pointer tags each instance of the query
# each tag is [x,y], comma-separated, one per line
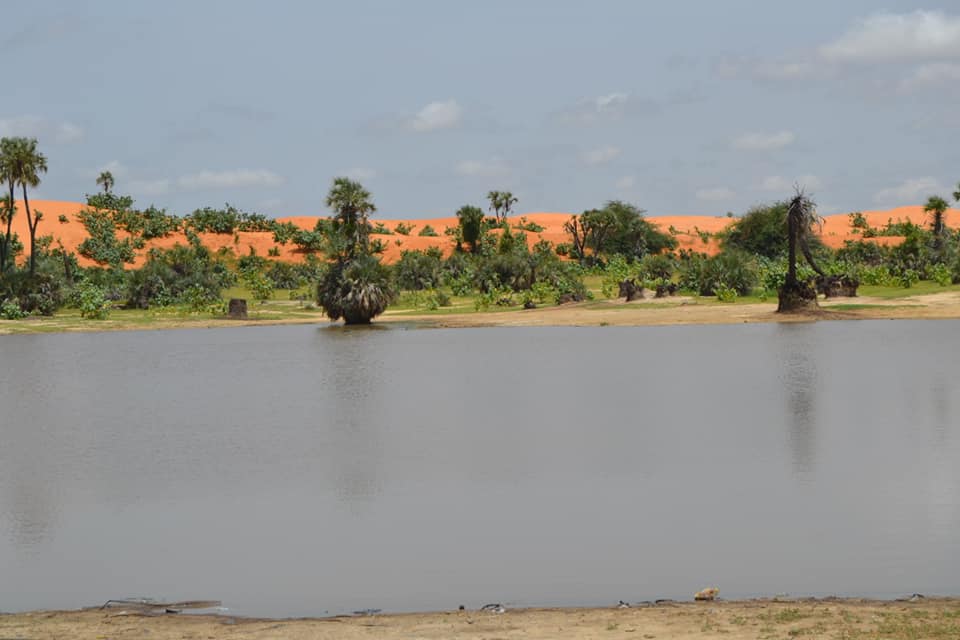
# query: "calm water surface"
[303,470]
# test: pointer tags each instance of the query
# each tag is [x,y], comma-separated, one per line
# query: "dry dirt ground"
[757,619]
[688,311]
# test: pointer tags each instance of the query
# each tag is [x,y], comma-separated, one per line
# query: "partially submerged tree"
[796,295]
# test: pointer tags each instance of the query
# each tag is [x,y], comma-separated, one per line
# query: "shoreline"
[853,618]
[647,312]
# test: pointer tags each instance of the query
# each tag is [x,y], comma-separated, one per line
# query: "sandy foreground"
[828,618]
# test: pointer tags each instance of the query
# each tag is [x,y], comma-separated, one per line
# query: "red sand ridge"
[697,233]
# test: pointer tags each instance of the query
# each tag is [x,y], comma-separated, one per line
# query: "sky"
[680,107]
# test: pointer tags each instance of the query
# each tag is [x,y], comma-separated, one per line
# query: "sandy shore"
[755,619]
[647,312]
[652,312]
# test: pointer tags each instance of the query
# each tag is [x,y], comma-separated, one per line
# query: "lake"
[305,470]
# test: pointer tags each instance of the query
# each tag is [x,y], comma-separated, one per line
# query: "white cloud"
[911,191]
[601,155]
[437,115]
[150,187]
[611,106]
[779,183]
[492,168]
[626,182]
[933,75]
[41,128]
[360,173]
[786,70]
[892,36]
[764,141]
[716,194]
[234,178]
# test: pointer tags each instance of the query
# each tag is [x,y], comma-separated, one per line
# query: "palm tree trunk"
[8,241]
[793,227]
[32,224]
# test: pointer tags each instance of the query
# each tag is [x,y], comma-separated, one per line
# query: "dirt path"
[847,619]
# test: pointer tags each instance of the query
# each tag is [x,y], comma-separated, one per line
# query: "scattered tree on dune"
[22,164]
[501,203]
[618,228]
[937,208]
[956,194]
[105,180]
[471,226]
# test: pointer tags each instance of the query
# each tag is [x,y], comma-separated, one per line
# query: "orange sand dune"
[692,232]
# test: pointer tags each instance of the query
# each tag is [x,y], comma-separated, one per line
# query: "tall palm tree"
[937,208]
[7,146]
[105,180]
[351,204]
[25,164]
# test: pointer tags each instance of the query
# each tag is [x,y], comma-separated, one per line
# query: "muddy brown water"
[305,470]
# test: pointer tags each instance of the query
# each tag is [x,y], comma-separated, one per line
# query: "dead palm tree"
[801,216]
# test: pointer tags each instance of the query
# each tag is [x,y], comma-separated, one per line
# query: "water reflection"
[353,408]
[797,353]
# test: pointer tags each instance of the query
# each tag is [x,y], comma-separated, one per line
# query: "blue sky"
[681,107]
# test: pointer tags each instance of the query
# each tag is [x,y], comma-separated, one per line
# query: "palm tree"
[356,291]
[937,208]
[956,194]
[801,215]
[356,286]
[23,163]
[351,204]
[501,203]
[105,180]
[9,205]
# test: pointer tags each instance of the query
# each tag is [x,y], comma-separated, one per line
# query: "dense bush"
[418,270]
[728,270]
[185,275]
[102,245]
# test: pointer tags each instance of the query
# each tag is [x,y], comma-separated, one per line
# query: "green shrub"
[940,274]
[10,310]
[404,229]
[725,293]
[417,270]
[427,232]
[63,219]
[92,302]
